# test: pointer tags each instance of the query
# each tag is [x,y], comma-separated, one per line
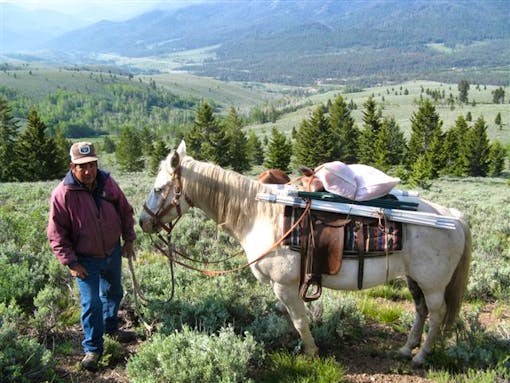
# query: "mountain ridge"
[251,36]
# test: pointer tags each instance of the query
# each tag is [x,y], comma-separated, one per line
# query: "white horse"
[435,261]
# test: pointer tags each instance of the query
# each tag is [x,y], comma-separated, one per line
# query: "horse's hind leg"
[437,308]
[414,337]
[288,295]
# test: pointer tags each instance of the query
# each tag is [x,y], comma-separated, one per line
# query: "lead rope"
[138,293]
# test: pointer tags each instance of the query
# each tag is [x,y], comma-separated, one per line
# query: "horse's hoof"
[404,353]
[417,361]
[280,307]
[312,352]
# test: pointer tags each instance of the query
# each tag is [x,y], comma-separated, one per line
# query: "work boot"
[123,336]
[89,362]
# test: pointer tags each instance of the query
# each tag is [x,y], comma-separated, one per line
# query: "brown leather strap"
[310,275]
[360,243]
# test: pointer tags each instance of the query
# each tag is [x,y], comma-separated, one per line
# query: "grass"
[386,312]
[288,368]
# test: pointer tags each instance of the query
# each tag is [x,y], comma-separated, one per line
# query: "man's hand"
[128,250]
[78,271]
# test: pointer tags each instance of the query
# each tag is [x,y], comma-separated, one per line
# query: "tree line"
[328,134]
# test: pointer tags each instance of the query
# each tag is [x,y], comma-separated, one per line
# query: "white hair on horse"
[435,261]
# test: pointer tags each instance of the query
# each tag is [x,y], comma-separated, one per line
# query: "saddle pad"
[375,237]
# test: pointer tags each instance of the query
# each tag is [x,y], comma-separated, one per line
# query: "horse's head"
[166,200]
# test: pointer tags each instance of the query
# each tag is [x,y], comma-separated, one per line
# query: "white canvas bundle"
[357,181]
[371,182]
[338,178]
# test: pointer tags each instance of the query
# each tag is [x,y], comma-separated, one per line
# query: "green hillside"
[394,103]
[35,83]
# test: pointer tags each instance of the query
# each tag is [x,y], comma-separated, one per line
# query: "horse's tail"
[456,288]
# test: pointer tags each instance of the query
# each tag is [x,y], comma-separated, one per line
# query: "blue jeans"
[101,293]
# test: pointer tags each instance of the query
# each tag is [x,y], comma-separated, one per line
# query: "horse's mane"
[230,195]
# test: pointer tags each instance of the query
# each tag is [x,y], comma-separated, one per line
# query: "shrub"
[11,314]
[338,319]
[190,356]
[113,352]
[22,359]
[271,328]
[50,304]
[17,282]
[489,278]
[475,347]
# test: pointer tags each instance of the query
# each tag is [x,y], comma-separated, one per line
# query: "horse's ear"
[181,149]
[175,160]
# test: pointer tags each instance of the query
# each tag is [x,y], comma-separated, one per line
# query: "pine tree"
[237,150]
[129,150]
[108,145]
[37,153]
[8,137]
[498,120]
[497,156]
[463,87]
[207,140]
[147,137]
[255,151]
[315,141]
[345,133]
[279,151]
[421,172]
[436,155]
[194,139]
[390,145]
[498,96]
[476,150]
[62,147]
[425,126]
[369,132]
[453,147]
[158,154]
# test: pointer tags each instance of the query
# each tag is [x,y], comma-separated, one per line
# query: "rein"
[211,273]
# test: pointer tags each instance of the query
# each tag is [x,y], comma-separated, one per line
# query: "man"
[89,214]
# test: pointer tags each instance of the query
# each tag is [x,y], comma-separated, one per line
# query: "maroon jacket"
[88,223]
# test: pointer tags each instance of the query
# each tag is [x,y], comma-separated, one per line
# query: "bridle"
[175,185]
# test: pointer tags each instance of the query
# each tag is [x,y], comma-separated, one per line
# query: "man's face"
[85,173]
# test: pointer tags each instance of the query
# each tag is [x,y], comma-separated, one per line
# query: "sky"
[96,10]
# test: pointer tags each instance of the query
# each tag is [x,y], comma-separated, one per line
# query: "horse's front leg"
[295,306]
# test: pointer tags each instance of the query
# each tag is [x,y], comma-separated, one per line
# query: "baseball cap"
[82,152]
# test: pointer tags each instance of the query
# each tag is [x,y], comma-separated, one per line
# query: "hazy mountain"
[343,23]
[22,29]
[304,41]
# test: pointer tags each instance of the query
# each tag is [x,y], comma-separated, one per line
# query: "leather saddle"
[322,244]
